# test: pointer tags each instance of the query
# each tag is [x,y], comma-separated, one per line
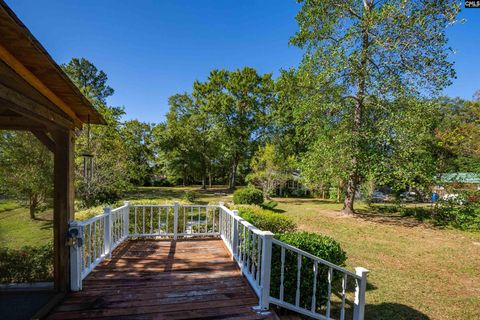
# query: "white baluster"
[175,220]
[299,275]
[282,273]
[344,289]
[314,295]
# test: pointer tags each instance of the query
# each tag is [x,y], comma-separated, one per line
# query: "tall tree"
[270,169]
[137,137]
[381,49]
[26,168]
[238,103]
[91,81]
[110,170]
[177,138]
[458,135]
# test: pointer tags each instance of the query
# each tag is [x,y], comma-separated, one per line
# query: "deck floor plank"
[148,279]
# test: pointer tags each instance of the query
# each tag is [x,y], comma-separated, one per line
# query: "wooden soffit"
[24,54]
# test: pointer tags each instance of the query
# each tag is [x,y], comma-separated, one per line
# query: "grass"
[417,270]
[17,229]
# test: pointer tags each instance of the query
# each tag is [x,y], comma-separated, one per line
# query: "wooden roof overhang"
[34,90]
[37,96]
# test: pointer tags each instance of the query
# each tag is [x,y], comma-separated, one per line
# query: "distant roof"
[461,177]
[19,42]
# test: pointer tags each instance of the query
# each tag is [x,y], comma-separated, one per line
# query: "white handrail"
[251,248]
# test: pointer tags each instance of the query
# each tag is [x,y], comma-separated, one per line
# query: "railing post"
[266,269]
[126,219]
[234,235]
[360,291]
[76,257]
[175,220]
[107,231]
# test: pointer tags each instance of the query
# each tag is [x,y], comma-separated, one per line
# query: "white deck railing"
[266,262]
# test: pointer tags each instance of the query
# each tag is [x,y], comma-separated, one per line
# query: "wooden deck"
[190,279]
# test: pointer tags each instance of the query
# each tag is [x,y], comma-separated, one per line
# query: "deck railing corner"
[252,249]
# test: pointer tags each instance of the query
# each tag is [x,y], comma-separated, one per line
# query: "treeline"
[362,110]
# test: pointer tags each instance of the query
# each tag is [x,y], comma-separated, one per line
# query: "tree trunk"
[354,178]
[184,177]
[32,205]
[210,180]
[233,181]
[204,182]
[32,212]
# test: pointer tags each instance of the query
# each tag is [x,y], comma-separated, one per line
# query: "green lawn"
[417,271]
[17,229]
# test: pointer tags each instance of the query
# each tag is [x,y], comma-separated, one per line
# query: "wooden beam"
[63,204]
[16,65]
[45,139]
[23,105]
[20,123]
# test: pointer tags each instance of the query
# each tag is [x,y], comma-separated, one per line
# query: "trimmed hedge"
[267,220]
[28,264]
[249,195]
[321,246]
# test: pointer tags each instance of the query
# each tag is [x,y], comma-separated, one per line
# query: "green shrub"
[321,246]
[267,220]
[249,195]
[461,216]
[190,196]
[28,264]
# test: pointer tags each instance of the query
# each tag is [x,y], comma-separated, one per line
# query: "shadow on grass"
[153,193]
[47,225]
[395,220]
[396,215]
[390,310]
[293,200]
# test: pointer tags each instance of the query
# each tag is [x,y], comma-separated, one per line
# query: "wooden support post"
[360,292]
[63,204]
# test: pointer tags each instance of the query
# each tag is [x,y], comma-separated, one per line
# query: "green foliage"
[139,148]
[318,245]
[28,264]
[270,169]
[111,145]
[461,216]
[267,220]
[190,196]
[249,195]
[26,169]
[364,62]
[458,135]
[210,132]
[91,81]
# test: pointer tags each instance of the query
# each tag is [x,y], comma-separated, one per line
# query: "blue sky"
[154,49]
